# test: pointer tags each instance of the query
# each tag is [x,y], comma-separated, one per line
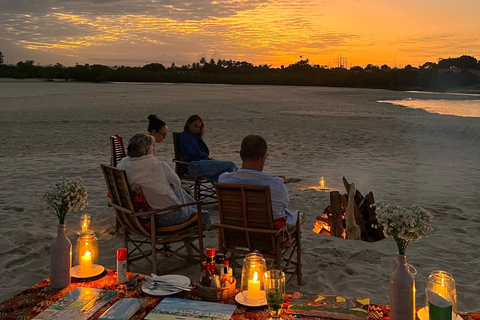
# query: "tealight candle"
[254,288]
[86,263]
[322,183]
[85,223]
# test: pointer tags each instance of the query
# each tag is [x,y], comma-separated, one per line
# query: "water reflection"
[462,108]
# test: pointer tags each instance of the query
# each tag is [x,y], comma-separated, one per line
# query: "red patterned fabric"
[29,303]
[285,237]
[141,205]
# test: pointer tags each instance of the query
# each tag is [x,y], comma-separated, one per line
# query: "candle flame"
[88,254]
[255,276]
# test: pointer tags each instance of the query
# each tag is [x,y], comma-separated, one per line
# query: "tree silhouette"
[1,57]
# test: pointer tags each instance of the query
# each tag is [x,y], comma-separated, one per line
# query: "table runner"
[32,301]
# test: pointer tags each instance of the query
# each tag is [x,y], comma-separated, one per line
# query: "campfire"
[348,219]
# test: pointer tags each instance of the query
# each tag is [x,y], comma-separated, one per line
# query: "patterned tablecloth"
[29,303]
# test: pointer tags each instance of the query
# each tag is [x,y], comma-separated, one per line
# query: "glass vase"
[402,291]
[60,260]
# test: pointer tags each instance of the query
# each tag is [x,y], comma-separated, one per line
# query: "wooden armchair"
[117,150]
[246,225]
[202,188]
[143,243]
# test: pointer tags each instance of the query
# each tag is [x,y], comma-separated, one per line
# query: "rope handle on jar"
[409,266]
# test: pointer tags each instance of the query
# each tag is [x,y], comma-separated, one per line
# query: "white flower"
[65,196]
[403,224]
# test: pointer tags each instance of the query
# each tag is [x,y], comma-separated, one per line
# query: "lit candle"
[84,226]
[254,288]
[86,263]
[322,183]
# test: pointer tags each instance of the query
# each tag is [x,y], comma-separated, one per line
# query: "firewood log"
[352,227]
[337,219]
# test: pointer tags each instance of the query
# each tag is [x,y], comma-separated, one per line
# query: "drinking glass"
[275,290]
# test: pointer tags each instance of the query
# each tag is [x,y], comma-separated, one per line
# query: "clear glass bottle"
[205,276]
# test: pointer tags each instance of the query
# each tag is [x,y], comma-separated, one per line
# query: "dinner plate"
[168,278]
[423,314]
[98,269]
[240,299]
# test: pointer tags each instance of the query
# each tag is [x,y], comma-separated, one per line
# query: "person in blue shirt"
[193,149]
[254,154]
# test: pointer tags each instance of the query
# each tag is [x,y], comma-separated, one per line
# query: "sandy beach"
[404,155]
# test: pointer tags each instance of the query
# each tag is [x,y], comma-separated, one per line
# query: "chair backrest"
[117,150]
[121,198]
[248,210]
[180,169]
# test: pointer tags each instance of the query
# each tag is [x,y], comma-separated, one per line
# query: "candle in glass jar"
[322,183]
[86,263]
[254,288]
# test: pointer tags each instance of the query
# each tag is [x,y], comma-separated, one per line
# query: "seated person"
[160,185]
[157,128]
[254,153]
[194,150]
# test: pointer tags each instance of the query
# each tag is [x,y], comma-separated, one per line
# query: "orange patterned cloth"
[29,303]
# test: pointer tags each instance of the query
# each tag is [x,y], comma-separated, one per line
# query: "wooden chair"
[117,150]
[246,225]
[149,243]
[202,188]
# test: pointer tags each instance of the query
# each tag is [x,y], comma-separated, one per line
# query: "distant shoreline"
[475,90]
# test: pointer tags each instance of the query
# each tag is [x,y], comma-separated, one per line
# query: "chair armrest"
[185,163]
[197,166]
[153,212]
[228,226]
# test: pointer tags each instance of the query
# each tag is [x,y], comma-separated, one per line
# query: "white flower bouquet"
[64,196]
[404,224]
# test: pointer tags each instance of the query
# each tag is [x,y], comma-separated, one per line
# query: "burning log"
[333,221]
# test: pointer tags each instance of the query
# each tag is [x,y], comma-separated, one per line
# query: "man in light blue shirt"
[254,154]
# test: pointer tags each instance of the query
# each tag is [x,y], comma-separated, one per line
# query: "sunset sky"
[276,32]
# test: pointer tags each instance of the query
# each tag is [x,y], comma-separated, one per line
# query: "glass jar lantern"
[85,223]
[441,295]
[86,254]
[253,270]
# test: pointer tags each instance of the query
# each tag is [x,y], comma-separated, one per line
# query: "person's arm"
[172,177]
[279,196]
[189,147]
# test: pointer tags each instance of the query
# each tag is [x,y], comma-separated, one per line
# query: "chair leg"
[153,243]
[299,259]
[125,245]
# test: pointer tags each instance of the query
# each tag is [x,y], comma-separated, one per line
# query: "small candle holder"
[441,296]
[322,183]
[86,251]
[252,285]
[85,223]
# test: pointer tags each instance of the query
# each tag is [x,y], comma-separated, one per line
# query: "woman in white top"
[158,182]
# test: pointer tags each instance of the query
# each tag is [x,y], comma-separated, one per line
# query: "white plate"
[240,299]
[98,269]
[423,314]
[172,278]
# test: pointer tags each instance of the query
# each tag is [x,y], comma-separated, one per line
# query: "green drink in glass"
[275,291]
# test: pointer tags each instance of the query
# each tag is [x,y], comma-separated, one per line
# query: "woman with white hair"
[159,184]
